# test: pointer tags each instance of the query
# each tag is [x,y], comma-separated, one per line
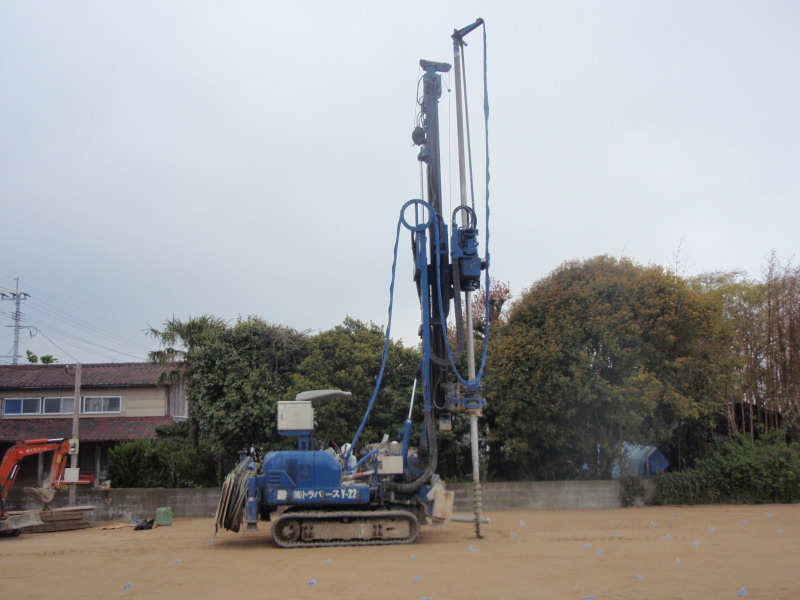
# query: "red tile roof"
[92,375]
[98,429]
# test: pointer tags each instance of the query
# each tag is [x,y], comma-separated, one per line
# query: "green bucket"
[164,516]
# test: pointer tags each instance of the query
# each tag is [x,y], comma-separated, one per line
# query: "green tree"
[598,353]
[45,359]
[235,377]
[348,357]
[177,337]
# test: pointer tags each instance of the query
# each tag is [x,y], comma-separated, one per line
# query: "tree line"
[598,354]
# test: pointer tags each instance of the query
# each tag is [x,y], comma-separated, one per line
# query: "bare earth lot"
[702,553]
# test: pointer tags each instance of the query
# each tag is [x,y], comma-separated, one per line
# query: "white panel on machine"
[295,415]
[390,465]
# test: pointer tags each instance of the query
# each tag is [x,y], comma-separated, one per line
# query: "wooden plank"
[63,519]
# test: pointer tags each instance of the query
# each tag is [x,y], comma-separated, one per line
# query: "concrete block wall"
[523,495]
[123,504]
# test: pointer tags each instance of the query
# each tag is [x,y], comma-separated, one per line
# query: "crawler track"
[306,529]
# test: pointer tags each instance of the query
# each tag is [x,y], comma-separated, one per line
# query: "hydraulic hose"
[433,461]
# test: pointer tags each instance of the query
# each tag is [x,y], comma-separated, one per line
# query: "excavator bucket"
[45,495]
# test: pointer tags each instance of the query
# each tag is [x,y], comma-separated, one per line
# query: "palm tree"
[178,337]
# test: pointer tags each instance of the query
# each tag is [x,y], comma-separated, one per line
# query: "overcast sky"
[176,158]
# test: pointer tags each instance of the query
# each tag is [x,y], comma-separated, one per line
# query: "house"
[119,402]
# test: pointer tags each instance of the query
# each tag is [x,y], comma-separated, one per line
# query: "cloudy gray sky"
[250,157]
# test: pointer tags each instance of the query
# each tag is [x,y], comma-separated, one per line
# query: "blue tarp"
[644,461]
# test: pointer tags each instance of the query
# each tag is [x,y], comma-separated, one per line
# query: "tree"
[743,304]
[178,337]
[782,355]
[348,357]
[235,377]
[598,353]
[45,359]
[765,316]
[499,296]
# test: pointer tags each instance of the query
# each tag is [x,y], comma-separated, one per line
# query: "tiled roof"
[92,375]
[98,429]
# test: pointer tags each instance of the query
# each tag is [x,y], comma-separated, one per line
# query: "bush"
[631,490]
[159,463]
[737,470]
[686,487]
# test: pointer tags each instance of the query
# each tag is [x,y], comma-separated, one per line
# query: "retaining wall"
[126,503]
[539,494]
[123,504]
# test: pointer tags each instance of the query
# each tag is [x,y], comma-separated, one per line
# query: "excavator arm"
[9,467]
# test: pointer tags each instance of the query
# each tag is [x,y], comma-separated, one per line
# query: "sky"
[173,159]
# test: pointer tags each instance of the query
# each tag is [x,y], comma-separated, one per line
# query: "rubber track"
[355,514]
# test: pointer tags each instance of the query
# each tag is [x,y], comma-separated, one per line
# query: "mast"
[477,496]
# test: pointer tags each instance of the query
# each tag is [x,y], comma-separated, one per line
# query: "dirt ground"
[655,553]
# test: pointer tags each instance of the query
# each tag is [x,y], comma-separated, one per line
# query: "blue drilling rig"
[330,497]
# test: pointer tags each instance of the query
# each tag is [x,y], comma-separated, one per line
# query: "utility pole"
[76,408]
[17,296]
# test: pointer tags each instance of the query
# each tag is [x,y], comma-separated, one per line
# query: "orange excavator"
[9,468]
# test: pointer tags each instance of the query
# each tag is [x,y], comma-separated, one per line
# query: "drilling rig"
[330,497]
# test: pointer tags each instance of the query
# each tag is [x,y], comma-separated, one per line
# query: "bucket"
[164,516]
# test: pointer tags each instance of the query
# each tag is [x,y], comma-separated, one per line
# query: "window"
[100,404]
[22,406]
[59,406]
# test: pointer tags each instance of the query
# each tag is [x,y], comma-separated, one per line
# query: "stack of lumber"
[62,519]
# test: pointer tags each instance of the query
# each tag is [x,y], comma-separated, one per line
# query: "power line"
[54,322]
[75,340]
[69,320]
[60,348]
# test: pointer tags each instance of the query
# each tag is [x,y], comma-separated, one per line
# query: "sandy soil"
[656,553]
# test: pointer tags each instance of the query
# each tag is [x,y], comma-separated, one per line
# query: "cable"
[69,318]
[67,336]
[59,347]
